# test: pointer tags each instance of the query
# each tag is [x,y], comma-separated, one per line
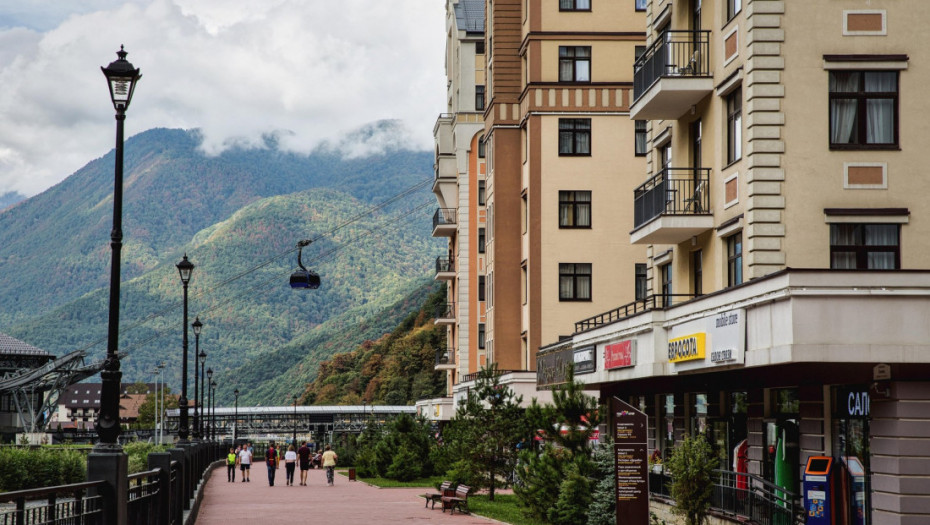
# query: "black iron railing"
[474,375]
[673,54]
[445,311]
[746,496]
[61,504]
[672,191]
[143,493]
[445,356]
[650,302]
[444,217]
[445,264]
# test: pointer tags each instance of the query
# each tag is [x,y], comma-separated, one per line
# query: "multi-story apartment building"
[460,189]
[786,241]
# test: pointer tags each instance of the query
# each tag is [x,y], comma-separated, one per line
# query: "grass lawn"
[503,508]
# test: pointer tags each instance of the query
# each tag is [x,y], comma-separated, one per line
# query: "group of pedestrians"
[242,457]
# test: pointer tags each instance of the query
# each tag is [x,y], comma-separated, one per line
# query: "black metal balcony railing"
[445,356]
[744,495]
[672,191]
[443,217]
[445,264]
[673,54]
[474,375]
[445,311]
[650,302]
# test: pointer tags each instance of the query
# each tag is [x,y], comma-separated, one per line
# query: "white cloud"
[306,70]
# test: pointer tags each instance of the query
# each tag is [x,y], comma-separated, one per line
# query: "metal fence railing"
[673,54]
[672,191]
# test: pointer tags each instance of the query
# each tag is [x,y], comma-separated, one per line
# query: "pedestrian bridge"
[311,423]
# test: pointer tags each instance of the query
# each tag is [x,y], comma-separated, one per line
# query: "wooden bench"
[445,489]
[459,501]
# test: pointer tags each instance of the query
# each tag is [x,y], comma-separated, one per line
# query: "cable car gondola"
[304,278]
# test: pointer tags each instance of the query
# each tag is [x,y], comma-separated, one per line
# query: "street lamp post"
[121,78]
[185,268]
[203,362]
[198,414]
[213,410]
[236,416]
[156,372]
[161,430]
[206,424]
[295,421]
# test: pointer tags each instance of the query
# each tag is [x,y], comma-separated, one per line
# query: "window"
[479,98]
[479,47]
[481,240]
[863,109]
[640,5]
[574,281]
[640,138]
[480,335]
[574,63]
[574,136]
[574,5]
[666,271]
[640,282]
[735,259]
[482,152]
[865,246]
[481,288]
[733,8]
[482,194]
[697,273]
[574,209]
[735,125]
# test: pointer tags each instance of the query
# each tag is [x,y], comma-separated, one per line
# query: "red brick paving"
[345,503]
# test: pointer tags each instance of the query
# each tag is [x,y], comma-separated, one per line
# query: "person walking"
[271,461]
[303,454]
[232,459]
[290,463]
[329,463]
[245,463]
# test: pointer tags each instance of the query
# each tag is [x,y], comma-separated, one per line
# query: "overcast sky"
[236,69]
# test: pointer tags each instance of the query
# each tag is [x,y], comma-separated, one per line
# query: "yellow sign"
[687,348]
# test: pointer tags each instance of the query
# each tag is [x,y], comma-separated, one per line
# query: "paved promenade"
[345,503]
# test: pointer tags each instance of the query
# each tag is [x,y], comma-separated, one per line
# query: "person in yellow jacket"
[329,462]
[232,459]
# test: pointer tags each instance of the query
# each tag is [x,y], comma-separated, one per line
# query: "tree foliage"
[399,450]
[691,467]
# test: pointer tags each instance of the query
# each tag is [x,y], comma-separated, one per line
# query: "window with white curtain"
[574,5]
[865,246]
[640,138]
[863,109]
[574,209]
[735,125]
[574,281]
[574,63]
[574,136]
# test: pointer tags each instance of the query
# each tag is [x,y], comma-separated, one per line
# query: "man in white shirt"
[245,462]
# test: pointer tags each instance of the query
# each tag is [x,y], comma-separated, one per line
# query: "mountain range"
[363,201]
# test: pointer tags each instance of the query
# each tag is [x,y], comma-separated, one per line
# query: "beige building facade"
[786,244]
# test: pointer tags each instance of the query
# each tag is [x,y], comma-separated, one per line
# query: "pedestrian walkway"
[345,503]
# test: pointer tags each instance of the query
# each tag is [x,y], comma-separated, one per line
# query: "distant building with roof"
[17,357]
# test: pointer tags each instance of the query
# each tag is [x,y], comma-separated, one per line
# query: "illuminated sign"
[687,348]
[584,360]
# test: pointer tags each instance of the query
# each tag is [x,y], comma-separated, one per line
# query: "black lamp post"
[213,410]
[236,416]
[295,420]
[185,268]
[203,360]
[198,414]
[206,423]
[122,78]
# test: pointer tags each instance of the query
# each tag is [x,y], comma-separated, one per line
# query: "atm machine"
[855,483]
[819,491]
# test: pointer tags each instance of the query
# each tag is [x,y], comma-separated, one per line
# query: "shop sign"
[686,348]
[715,340]
[584,360]
[551,367]
[630,463]
[854,402]
[618,355]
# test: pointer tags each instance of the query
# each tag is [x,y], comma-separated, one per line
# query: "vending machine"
[819,493]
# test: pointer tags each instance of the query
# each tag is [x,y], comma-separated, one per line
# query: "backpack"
[271,456]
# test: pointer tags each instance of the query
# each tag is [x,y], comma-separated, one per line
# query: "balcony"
[672,75]
[444,222]
[445,359]
[445,314]
[445,268]
[672,206]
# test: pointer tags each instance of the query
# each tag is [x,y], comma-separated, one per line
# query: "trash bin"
[351,474]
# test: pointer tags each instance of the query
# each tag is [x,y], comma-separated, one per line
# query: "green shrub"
[24,468]
[691,467]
